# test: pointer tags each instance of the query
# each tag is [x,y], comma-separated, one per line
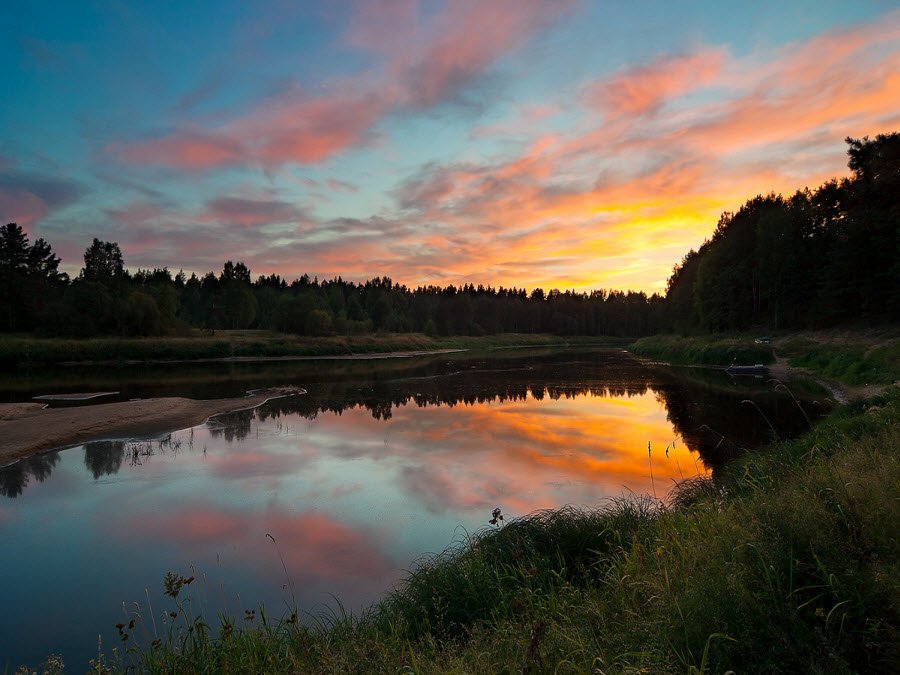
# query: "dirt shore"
[29,428]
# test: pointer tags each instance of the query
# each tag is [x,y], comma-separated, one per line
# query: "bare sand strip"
[29,428]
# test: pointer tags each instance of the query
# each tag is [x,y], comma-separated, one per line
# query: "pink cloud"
[251,212]
[18,205]
[336,185]
[239,465]
[199,526]
[450,51]
[462,42]
[642,175]
[646,88]
[523,121]
[26,197]
[184,150]
[137,214]
[666,164]
[329,548]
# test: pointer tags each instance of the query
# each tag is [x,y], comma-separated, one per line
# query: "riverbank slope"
[851,364]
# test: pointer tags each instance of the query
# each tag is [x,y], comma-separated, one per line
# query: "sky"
[560,144]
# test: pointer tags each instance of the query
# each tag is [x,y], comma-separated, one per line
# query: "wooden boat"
[758,369]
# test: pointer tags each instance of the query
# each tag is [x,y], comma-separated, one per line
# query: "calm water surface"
[379,464]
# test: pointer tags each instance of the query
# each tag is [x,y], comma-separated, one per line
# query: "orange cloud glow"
[451,50]
[633,221]
[651,155]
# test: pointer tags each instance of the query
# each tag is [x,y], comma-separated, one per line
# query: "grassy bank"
[26,353]
[703,350]
[852,358]
[790,563]
[852,363]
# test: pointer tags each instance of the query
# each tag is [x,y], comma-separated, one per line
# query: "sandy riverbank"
[29,428]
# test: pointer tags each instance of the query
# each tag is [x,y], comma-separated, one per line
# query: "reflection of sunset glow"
[522,452]
[269,506]
[313,544]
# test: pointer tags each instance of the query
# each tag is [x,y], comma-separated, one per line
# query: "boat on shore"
[758,369]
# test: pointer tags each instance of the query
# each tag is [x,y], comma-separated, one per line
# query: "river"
[322,501]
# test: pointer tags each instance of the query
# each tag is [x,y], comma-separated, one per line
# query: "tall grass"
[853,364]
[789,562]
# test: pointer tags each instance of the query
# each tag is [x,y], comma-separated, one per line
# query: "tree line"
[817,258]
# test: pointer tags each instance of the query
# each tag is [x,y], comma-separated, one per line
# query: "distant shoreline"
[30,428]
[369,356]
[22,354]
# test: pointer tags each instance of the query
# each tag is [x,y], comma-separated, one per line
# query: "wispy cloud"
[604,181]
[435,59]
[661,157]
[26,197]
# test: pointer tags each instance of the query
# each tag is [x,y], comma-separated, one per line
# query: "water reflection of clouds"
[527,453]
[238,464]
[314,545]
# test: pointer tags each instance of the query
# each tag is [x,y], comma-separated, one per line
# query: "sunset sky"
[518,143]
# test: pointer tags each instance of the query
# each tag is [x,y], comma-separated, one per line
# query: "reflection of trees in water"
[381,402]
[599,374]
[16,477]
[707,410]
[707,413]
[720,423]
[232,427]
[101,458]
[104,458]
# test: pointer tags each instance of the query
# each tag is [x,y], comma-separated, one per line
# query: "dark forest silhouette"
[817,258]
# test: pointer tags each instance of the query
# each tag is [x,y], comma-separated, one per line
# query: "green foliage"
[703,350]
[853,364]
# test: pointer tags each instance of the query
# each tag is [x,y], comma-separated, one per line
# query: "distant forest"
[818,258]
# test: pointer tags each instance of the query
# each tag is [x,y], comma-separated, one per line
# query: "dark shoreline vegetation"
[787,561]
[818,258]
[26,353]
[710,350]
[855,359]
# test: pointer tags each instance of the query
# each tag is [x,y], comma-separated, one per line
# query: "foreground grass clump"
[703,350]
[789,562]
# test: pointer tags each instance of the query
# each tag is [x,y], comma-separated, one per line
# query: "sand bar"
[29,428]
[86,396]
